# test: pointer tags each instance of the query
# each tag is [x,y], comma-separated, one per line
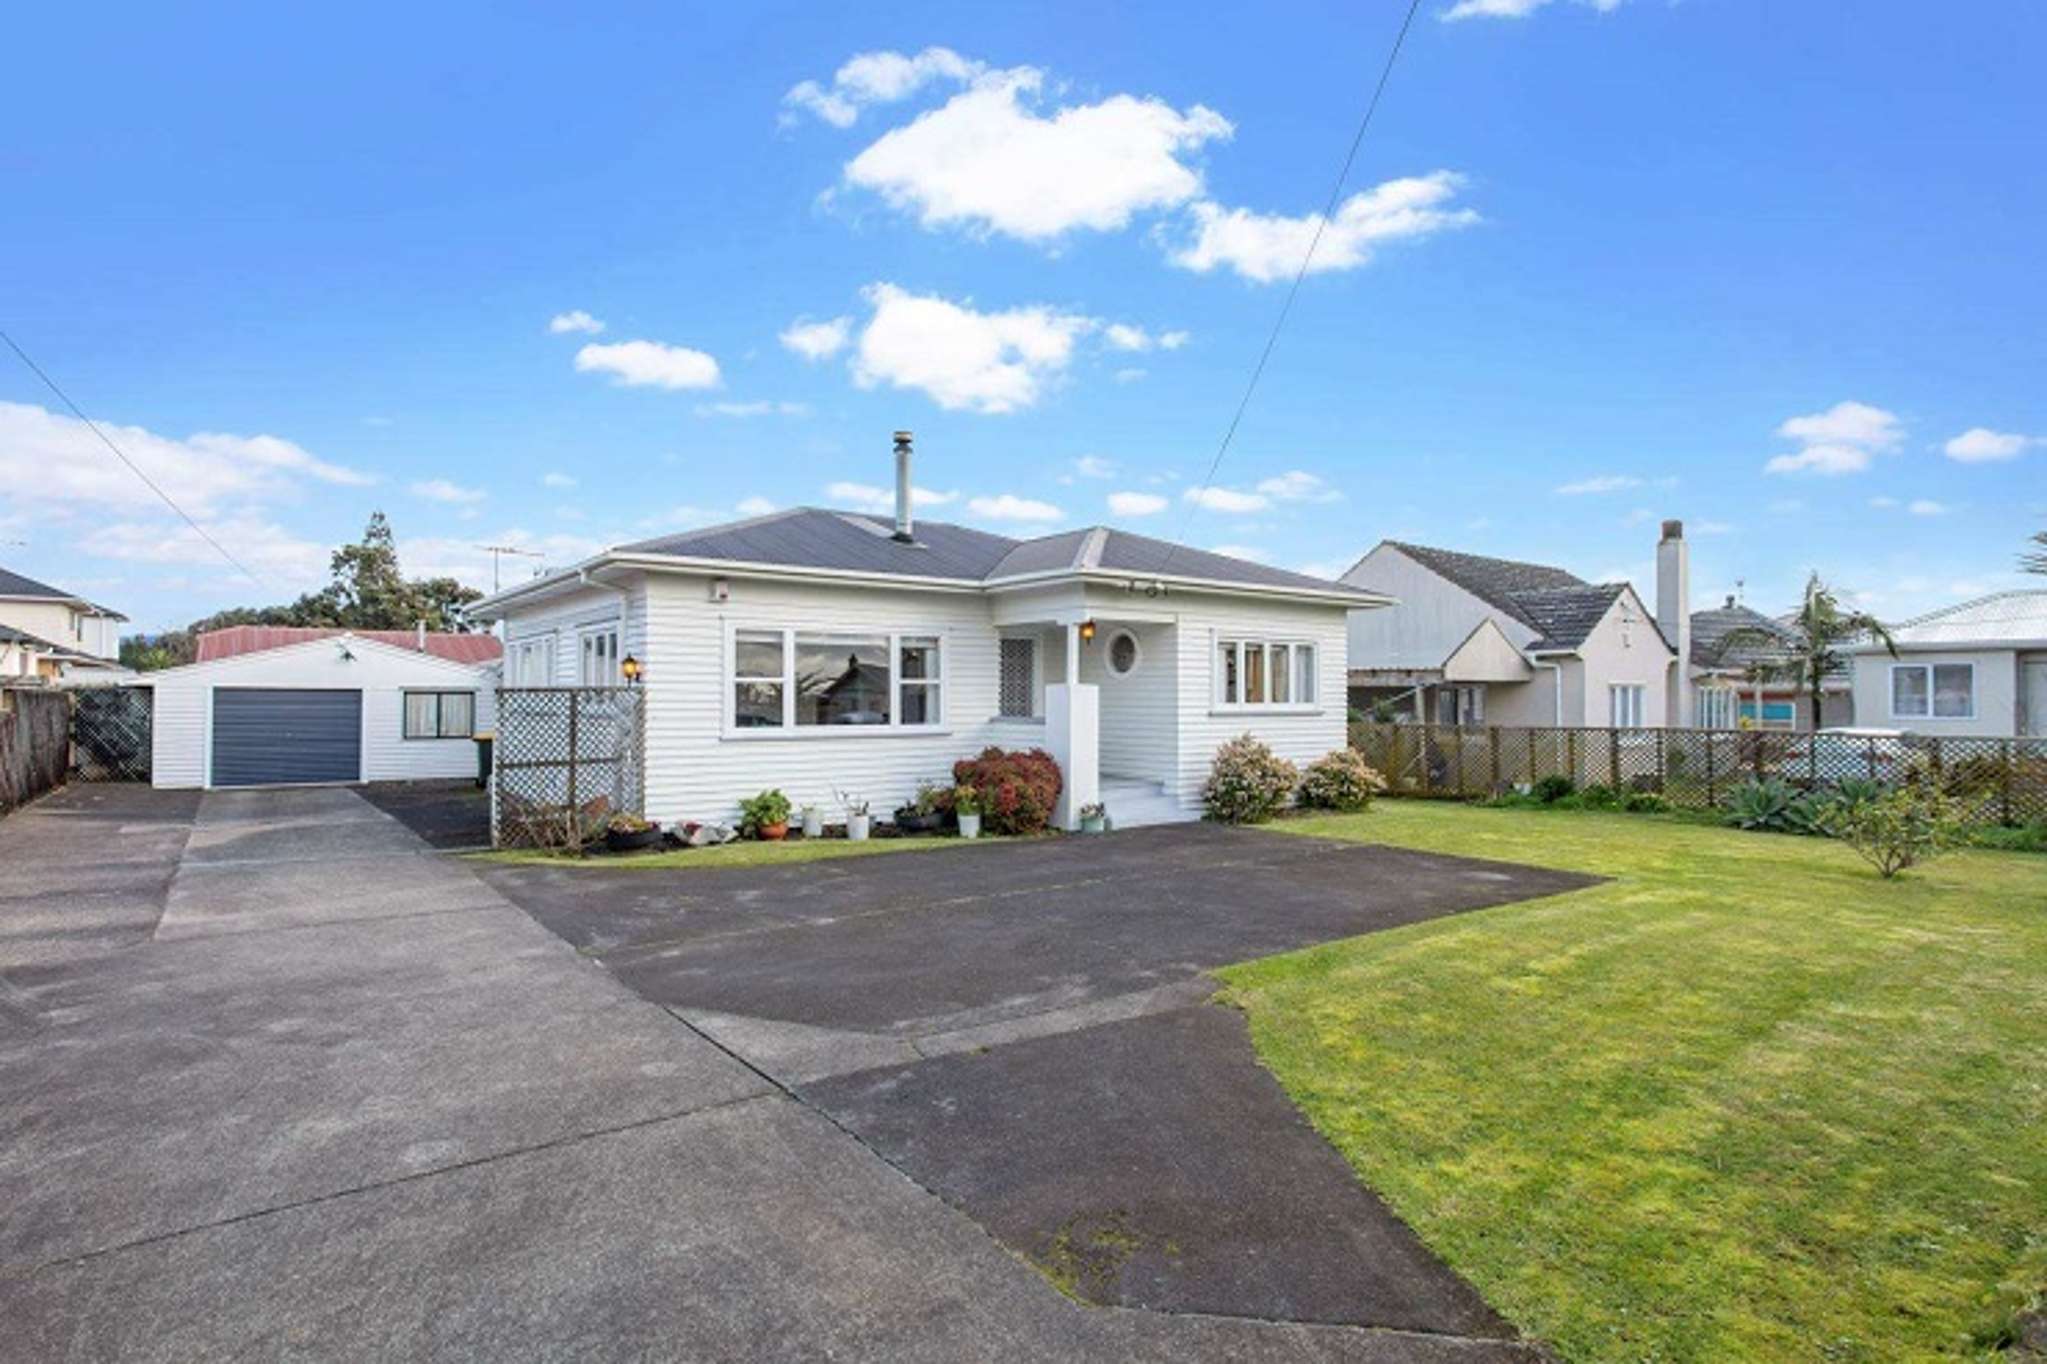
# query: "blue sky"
[1759,266]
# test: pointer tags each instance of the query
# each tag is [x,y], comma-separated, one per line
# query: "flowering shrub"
[1016,791]
[1248,782]
[1340,780]
[1903,828]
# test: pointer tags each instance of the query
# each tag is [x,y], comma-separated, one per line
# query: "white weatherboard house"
[307,707]
[820,651]
[1979,668]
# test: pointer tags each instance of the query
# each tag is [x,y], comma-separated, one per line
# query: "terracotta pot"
[774,833]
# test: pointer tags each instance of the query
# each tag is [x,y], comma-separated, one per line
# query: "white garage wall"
[181,731]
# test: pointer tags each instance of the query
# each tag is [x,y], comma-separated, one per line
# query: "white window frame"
[1627,705]
[789,729]
[1109,652]
[1891,682]
[583,637]
[536,650]
[1722,702]
[1305,656]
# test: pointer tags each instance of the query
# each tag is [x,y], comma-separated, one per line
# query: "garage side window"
[440,714]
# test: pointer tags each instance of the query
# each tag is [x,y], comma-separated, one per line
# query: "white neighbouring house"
[817,651]
[1978,668]
[272,706]
[50,635]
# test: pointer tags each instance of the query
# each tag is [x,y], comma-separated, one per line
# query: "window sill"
[1226,712]
[801,732]
[1035,720]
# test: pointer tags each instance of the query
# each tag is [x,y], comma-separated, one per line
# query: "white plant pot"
[856,827]
[813,823]
[970,826]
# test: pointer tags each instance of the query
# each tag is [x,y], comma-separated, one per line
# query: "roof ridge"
[1998,595]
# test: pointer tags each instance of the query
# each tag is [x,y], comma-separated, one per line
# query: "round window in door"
[1124,654]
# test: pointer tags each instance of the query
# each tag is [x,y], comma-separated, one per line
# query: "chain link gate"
[110,733]
[565,760]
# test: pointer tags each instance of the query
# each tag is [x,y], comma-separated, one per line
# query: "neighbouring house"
[820,651]
[1979,668]
[1474,640]
[50,635]
[273,706]
[1731,674]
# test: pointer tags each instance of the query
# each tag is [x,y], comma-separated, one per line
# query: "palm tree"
[1824,629]
[2036,562]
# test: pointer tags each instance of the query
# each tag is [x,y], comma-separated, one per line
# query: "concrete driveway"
[276,1079]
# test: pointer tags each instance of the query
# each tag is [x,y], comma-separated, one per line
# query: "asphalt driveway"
[278,1079]
[1025,1030]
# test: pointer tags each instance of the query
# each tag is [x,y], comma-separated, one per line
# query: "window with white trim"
[597,654]
[1718,707]
[1263,673]
[440,714]
[1626,704]
[532,662]
[802,679]
[1017,682]
[1123,654]
[1939,691]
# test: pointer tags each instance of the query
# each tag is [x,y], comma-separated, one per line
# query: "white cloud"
[1841,440]
[1137,504]
[1512,9]
[1174,340]
[1981,445]
[1264,247]
[1130,376]
[1227,500]
[882,501]
[1330,569]
[1297,485]
[1249,553]
[989,162]
[277,555]
[49,459]
[441,490]
[1094,466]
[638,364]
[1123,336]
[556,480]
[1926,506]
[1010,507]
[960,358]
[576,321]
[754,506]
[877,78]
[762,408]
[1601,483]
[816,340]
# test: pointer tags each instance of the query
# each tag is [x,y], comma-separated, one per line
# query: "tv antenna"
[495,550]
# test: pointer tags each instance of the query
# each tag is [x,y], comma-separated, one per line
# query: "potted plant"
[813,822]
[765,815]
[966,803]
[859,821]
[1094,817]
[627,833]
[924,815]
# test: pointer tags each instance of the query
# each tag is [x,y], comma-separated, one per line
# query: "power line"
[133,468]
[1279,323]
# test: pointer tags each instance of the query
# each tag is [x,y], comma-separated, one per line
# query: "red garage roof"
[254,639]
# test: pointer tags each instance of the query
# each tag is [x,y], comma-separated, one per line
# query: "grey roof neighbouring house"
[2015,617]
[20,586]
[1560,607]
[818,537]
[1711,628]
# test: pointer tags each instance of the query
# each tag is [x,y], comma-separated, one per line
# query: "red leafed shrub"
[1017,790]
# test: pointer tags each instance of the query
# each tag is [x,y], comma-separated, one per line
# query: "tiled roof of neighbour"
[2015,615]
[235,640]
[815,537]
[1565,615]
[14,584]
[1711,627]
[1496,582]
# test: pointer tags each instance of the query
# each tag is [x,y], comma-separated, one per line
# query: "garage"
[277,736]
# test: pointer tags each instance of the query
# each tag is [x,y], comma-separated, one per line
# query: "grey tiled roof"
[816,537]
[1565,615]
[13,584]
[1711,628]
[1496,582]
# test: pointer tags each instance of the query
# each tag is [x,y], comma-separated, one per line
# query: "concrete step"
[1139,804]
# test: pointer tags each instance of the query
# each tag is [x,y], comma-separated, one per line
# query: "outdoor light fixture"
[630,668]
[1087,632]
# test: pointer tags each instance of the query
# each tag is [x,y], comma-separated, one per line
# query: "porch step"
[1137,804]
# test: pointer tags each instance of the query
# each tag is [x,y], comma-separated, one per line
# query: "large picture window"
[1264,673]
[804,679]
[440,714]
[1939,691]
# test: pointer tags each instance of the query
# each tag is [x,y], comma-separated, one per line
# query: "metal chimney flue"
[904,526]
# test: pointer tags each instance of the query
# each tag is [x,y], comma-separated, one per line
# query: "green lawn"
[1746,1101]
[745,853]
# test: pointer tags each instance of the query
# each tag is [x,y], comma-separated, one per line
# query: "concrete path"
[277,1080]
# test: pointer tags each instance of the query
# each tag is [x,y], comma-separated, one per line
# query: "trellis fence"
[2005,780]
[35,742]
[110,733]
[565,760]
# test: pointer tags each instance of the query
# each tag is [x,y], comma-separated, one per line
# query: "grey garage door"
[271,736]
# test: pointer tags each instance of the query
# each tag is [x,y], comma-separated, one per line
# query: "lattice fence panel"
[566,759]
[110,733]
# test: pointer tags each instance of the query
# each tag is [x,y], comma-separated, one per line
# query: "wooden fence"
[2005,780]
[35,743]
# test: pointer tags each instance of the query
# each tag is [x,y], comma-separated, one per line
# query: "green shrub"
[1910,825]
[1645,803]
[1766,806]
[1599,797]
[1016,791]
[1340,780]
[757,812]
[1248,782]
[1553,788]
[2031,838]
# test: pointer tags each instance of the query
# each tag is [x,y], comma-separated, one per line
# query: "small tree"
[1823,630]
[2036,561]
[1900,829]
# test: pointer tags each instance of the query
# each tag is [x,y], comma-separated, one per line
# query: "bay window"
[1264,673]
[809,679]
